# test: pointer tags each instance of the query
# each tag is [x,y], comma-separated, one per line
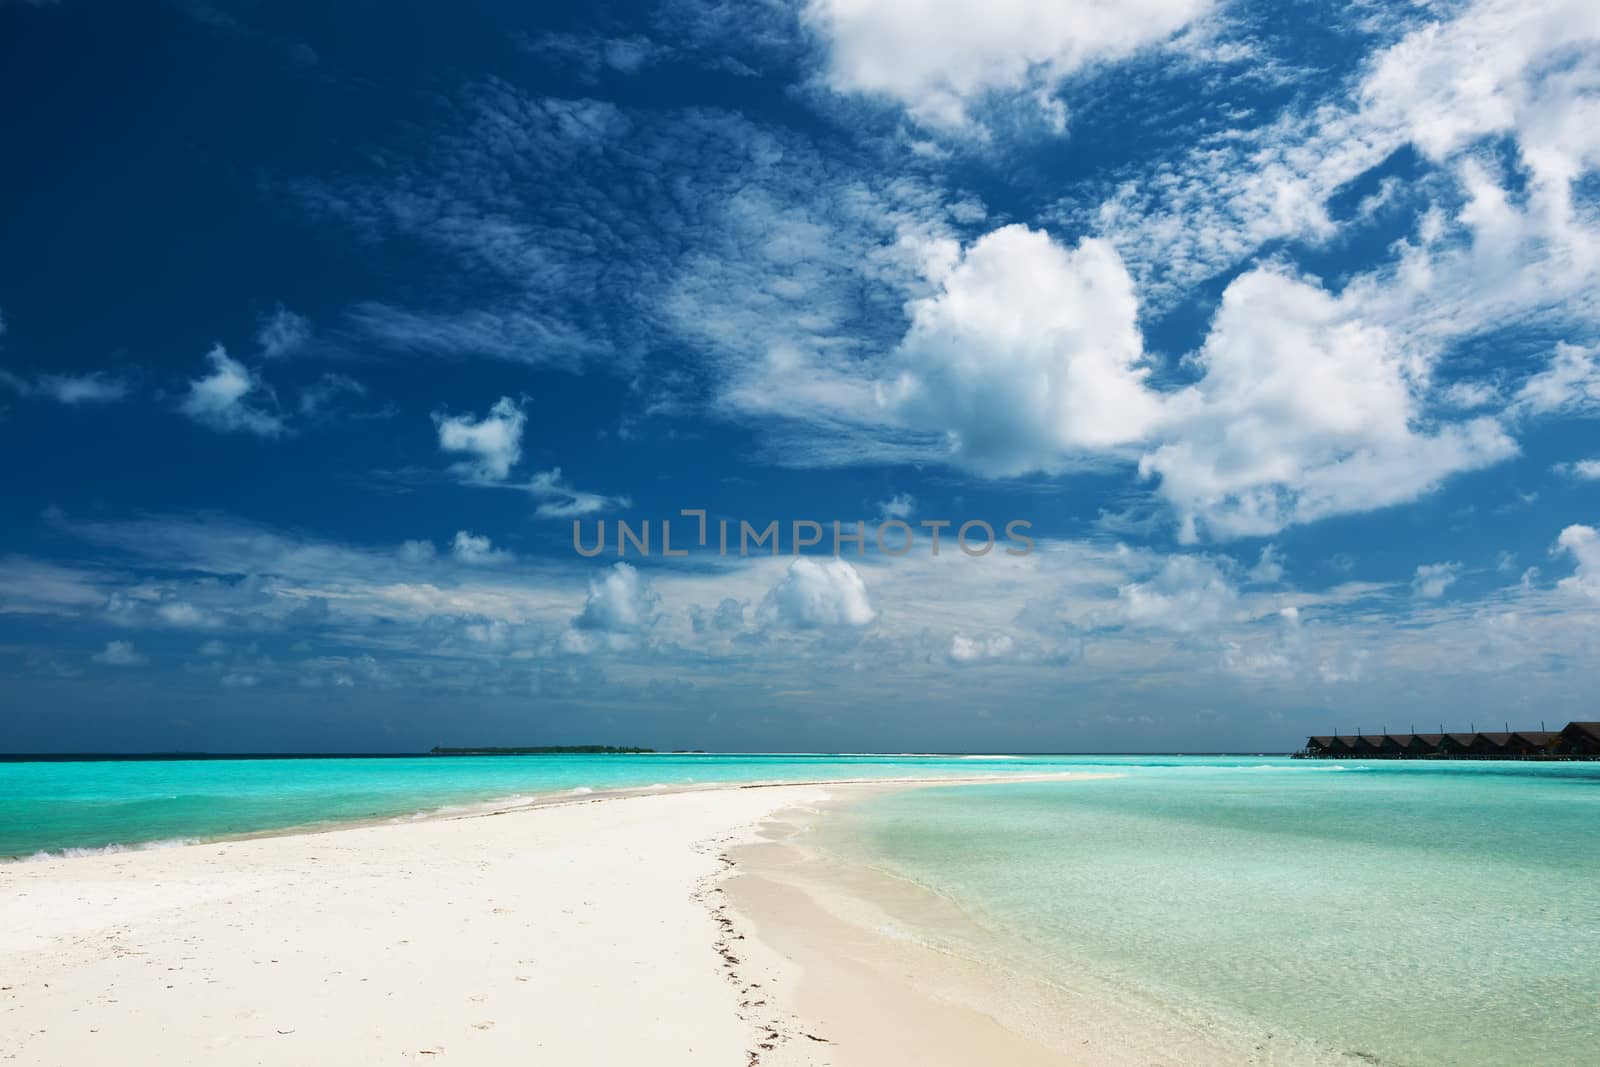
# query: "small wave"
[115,848]
[988,757]
[582,790]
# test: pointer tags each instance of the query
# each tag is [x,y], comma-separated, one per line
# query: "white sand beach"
[657,929]
[573,934]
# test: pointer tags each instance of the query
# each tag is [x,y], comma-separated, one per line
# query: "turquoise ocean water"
[56,806]
[1408,913]
[1393,912]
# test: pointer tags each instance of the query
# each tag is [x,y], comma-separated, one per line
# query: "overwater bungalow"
[1327,745]
[1489,744]
[1533,742]
[1395,745]
[1578,740]
[1426,744]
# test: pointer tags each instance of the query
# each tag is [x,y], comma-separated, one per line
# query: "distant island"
[542,750]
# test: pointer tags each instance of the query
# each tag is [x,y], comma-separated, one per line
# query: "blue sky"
[322,324]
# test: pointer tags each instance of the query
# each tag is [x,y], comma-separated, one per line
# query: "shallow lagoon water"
[1396,912]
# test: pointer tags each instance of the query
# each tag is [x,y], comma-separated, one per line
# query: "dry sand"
[560,935]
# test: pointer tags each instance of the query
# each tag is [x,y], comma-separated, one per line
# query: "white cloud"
[1304,411]
[282,333]
[318,398]
[964,649]
[493,443]
[119,654]
[819,593]
[727,618]
[1432,579]
[1188,593]
[1269,568]
[1498,70]
[621,605]
[71,389]
[476,549]
[939,58]
[1470,396]
[1569,385]
[900,506]
[1493,69]
[228,398]
[1587,470]
[589,54]
[1028,357]
[417,552]
[182,614]
[83,388]
[558,500]
[1029,353]
[491,633]
[1582,543]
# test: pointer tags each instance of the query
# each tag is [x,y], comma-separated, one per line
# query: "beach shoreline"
[505,803]
[888,970]
[585,929]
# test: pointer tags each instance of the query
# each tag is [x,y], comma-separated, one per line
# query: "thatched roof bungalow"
[1580,739]
[1489,743]
[1533,742]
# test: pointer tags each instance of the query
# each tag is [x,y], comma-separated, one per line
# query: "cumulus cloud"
[1303,411]
[492,444]
[230,398]
[964,649]
[119,654]
[619,612]
[900,506]
[476,549]
[1432,579]
[182,614]
[418,552]
[727,618]
[282,333]
[1029,353]
[816,593]
[1028,357]
[1269,567]
[620,602]
[1582,543]
[940,58]
[1587,470]
[1188,593]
